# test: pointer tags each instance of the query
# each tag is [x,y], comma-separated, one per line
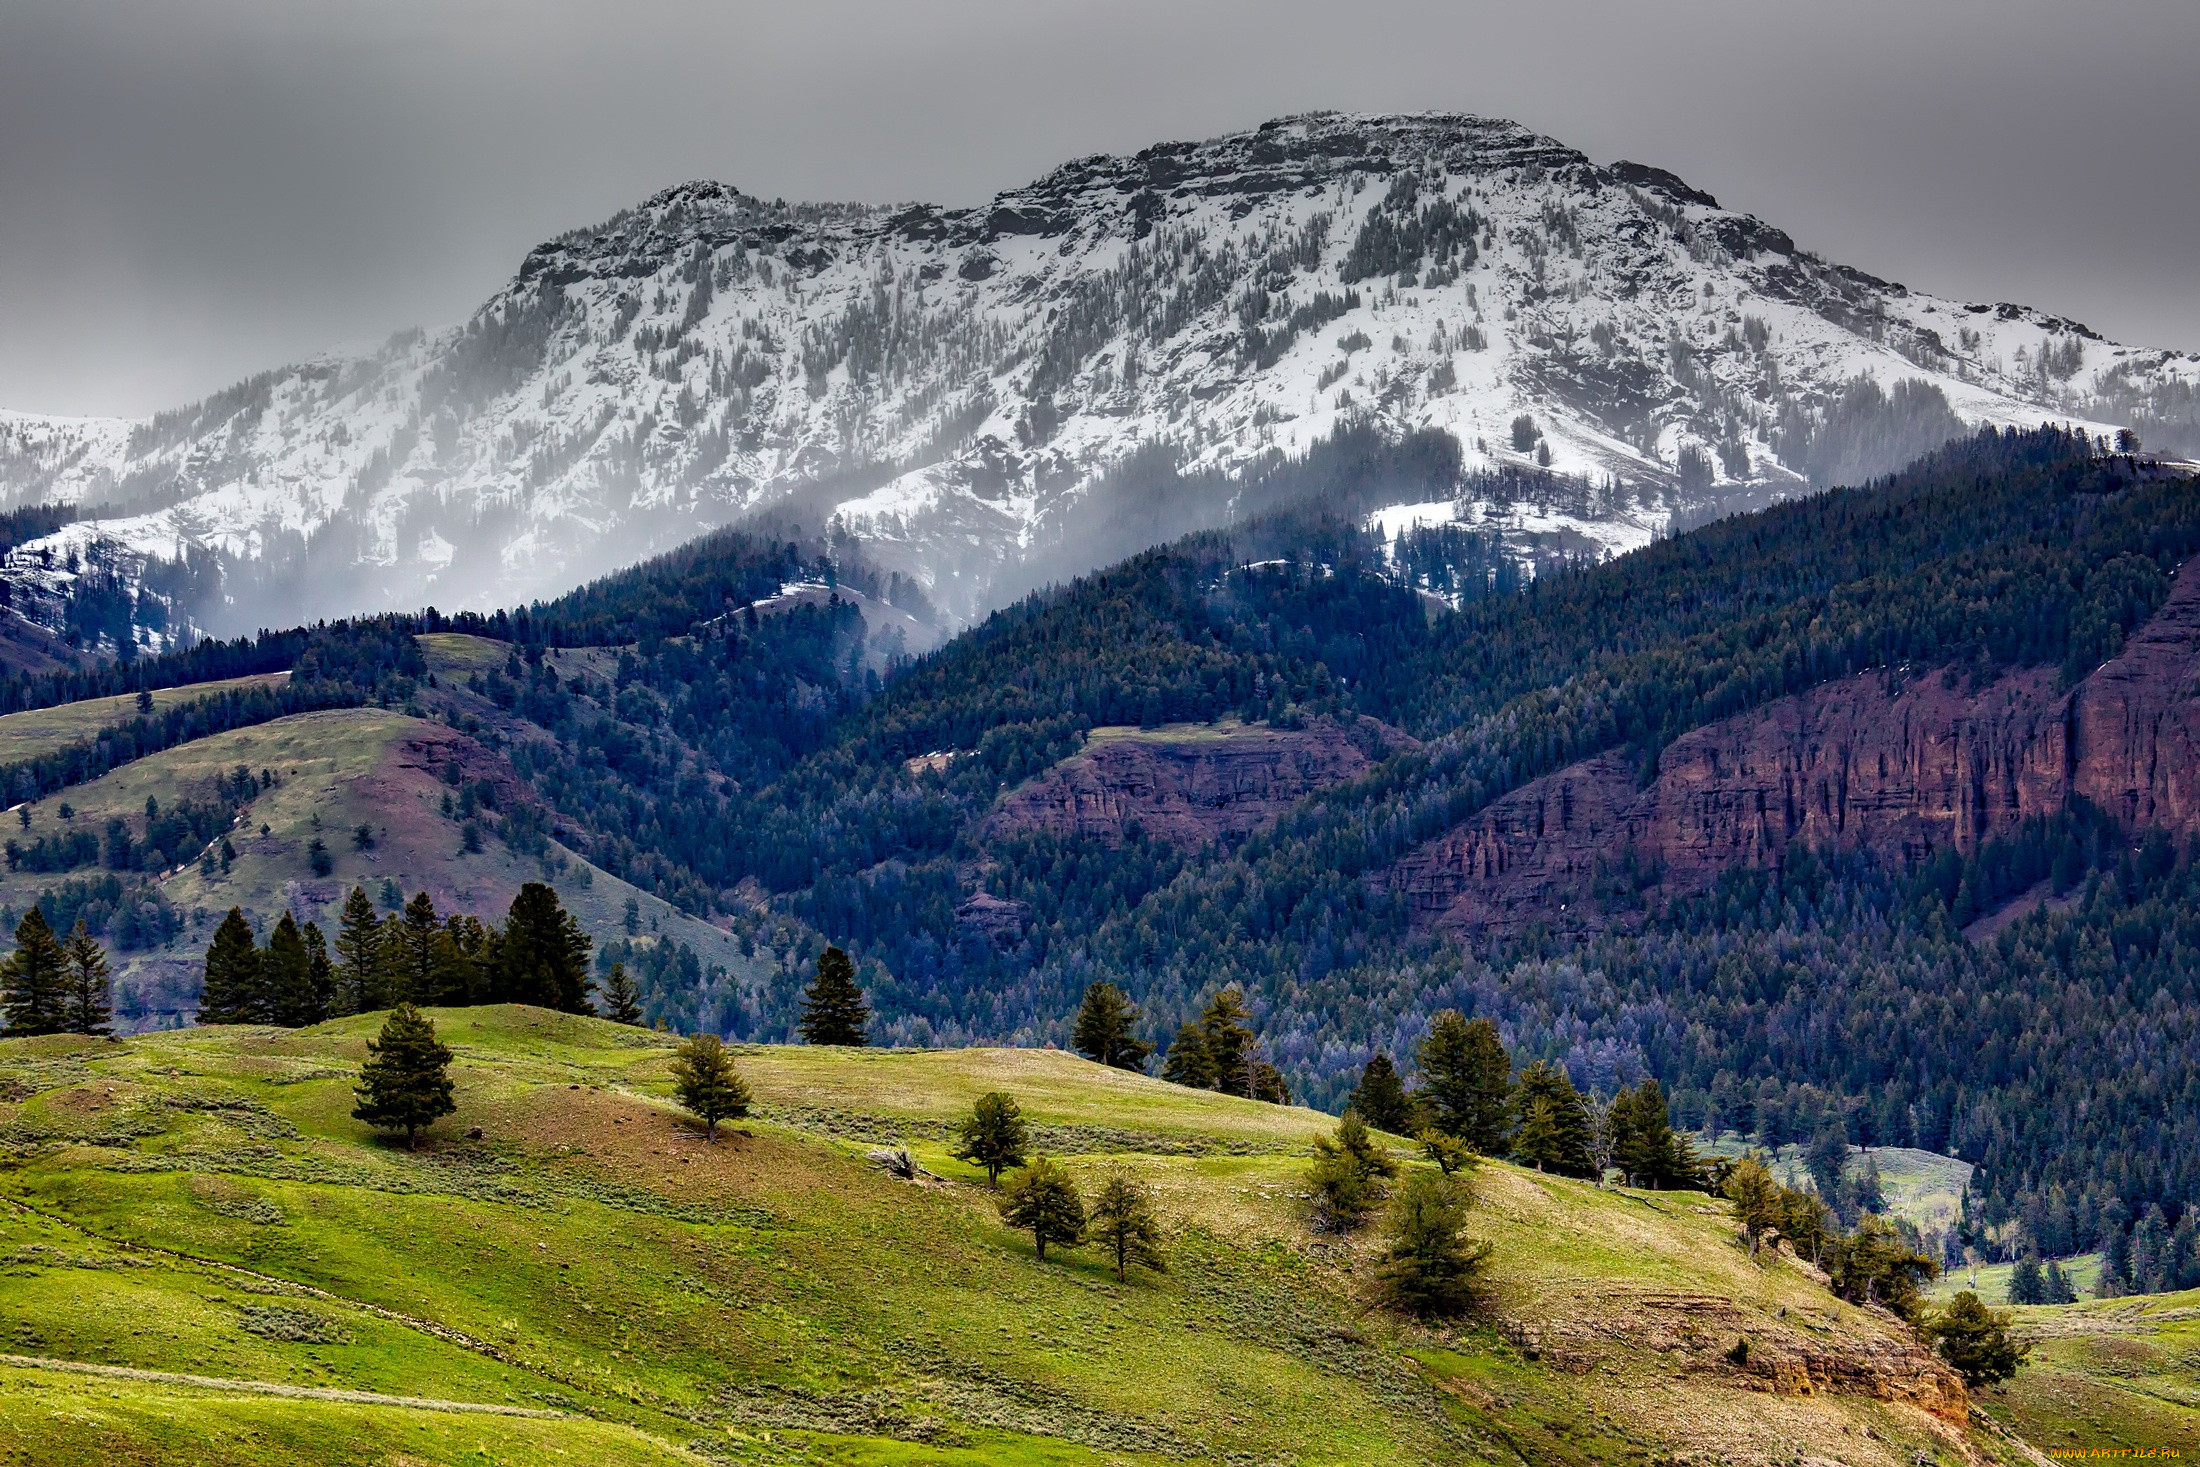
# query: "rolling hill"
[208,1260]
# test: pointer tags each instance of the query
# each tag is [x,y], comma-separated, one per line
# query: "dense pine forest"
[761,771]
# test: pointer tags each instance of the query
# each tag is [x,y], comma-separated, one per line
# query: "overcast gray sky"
[192,190]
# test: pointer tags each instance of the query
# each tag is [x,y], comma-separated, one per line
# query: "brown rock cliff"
[1898,765]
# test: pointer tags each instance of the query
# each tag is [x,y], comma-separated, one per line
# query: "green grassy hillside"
[2111,1375]
[43,730]
[336,771]
[266,1282]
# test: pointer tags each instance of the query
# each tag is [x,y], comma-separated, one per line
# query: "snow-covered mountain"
[952,387]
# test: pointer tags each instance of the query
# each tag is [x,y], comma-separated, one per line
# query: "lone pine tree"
[833,1010]
[1044,1202]
[405,1083]
[1124,1222]
[708,1084]
[994,1136]
[1975,1340]
[87,988]
[622,1002]
[34,978]
[1103,1032]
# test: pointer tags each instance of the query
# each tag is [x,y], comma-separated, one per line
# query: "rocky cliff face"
[1900,765]
[1190,786]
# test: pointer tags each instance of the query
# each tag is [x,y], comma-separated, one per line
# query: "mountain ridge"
[952,389]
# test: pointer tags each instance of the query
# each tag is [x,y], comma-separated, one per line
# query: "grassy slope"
[341,769]
[773,1299]
[2110,1374]
[43,730]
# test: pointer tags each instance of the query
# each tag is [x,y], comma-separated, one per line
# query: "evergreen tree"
[1805,1221]
[405,1083]
[410,960]
[622,1004]
[1186,1062]
[994,1136]
[1468,1080]
[707,1082]
[232,993]
[1124,1222]
[2056,1288]
[1554,1127]
[89,1000]
[544,956]
[1873,1266]
[1042,1201]
[1227,1039]
[1105,1021]
[2114,1279]
[286,976]
[1975,1340]
[1347,1175]
[1450,1154]
[1645,1147]
[1756,1198]
[2026,1286]
[320,972]
[34,979]
[1380,1098]
[833,1007]
[1429,1270]
[1827,1160]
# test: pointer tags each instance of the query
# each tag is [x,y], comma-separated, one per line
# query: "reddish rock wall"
[1897,766]
[1193,785]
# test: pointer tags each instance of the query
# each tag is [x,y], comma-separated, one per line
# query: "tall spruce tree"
[411,959]
[1468,1080]
[405,1083]
[320,972]
[88,1001]
[1645,1147]
[833,1008]
[1380,1098]
[232,992]
[286,976]
[544,955]
[358,956]
[1553,1134]
[622,1003]
[33,980]
[1186,1062]
[708,1083]
[1226,1035]
[1105,1022]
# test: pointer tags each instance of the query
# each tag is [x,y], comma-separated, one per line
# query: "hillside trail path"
[273,1388]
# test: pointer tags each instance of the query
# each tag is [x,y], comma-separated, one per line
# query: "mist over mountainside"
[986,399]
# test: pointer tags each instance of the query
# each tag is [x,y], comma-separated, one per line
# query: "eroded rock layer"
[1897,764]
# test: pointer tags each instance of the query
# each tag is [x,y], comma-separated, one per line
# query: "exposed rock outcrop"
[1190,785]
[1897,764]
